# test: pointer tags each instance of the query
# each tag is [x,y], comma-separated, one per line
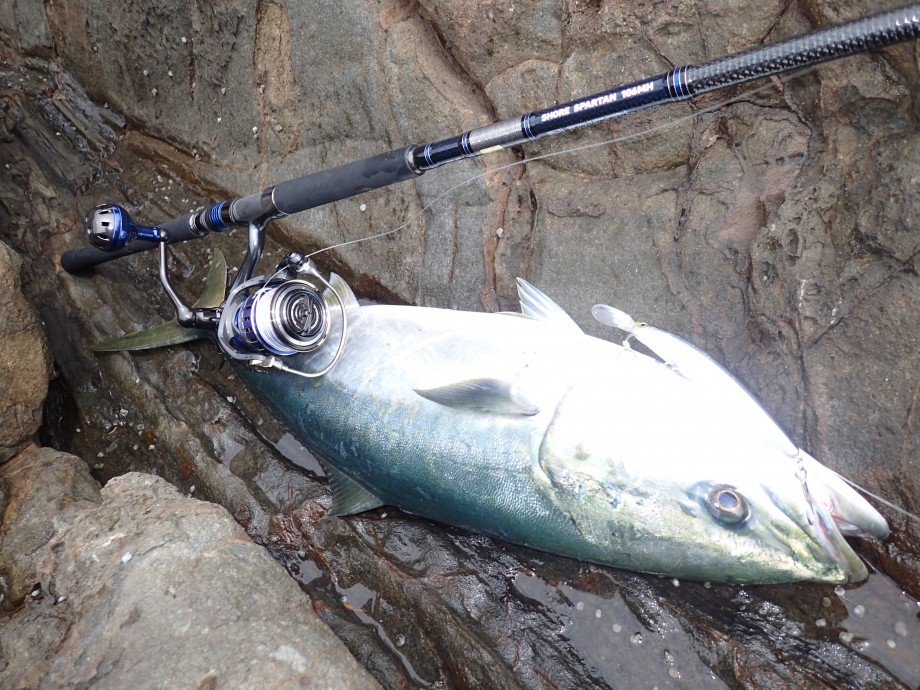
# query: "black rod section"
[681,83]
[344,181]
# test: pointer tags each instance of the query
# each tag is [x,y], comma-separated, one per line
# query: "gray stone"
[26,21]
[25,362]
[160,590]
[45,490]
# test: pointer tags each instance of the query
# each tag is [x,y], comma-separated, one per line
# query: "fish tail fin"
[171,333]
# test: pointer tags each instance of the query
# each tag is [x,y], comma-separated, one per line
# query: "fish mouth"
[831,539]
[837,511]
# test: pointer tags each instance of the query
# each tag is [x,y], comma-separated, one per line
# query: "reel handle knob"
[110,228]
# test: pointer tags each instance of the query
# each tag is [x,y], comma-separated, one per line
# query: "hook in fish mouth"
[836,511]
[833,542]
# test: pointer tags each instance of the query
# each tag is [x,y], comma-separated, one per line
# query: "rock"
[775,232]
[153,589]
[26,20]
[45,490]
[25,361]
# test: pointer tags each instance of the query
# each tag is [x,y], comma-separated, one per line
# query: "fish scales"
[526,429]
[463,467]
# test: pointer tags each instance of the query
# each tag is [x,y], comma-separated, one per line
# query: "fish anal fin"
[348,497]
[482,395]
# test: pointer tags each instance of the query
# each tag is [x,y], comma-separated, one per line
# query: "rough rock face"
[45,490]
[25,361]
[777,232]
[152,589]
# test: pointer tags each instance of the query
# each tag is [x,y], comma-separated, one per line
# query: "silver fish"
[522,427]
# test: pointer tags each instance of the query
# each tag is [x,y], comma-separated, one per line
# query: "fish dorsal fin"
[482,395]
[344,291]
[348,497]
[171,333]
[699,368]
[538,306]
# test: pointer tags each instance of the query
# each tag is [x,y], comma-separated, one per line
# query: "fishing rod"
[264,318]
[116,235]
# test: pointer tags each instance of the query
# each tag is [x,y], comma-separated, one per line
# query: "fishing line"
[889,504]
[289,325]
[667,124]
[744,96]
[406,163]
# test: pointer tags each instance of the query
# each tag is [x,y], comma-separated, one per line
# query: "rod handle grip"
[344,181]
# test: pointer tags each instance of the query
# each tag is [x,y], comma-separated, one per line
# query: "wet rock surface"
[148,588]
[25,361]
[777,232]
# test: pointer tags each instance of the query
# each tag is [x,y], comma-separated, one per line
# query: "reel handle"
[129,237]
[110,228]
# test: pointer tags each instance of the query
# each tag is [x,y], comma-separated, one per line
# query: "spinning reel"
[263,319]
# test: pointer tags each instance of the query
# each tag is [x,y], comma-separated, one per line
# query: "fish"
[522,427]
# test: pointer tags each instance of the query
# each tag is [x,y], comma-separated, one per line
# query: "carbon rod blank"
[681,83]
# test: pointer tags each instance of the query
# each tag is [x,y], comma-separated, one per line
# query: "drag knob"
[110,228]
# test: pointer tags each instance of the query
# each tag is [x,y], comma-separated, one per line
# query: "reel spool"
[265,321]
[281,319]
[262,319]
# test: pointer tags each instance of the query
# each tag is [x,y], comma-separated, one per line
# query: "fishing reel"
[264,319]
[280,318]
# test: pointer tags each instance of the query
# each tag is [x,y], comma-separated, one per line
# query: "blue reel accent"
[253,327]
[214,216]
[280,319]
[110,228]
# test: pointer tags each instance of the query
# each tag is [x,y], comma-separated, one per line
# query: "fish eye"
[726,505]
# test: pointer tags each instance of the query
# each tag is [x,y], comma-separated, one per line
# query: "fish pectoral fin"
[537,305]
[482,395]
[348,497]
